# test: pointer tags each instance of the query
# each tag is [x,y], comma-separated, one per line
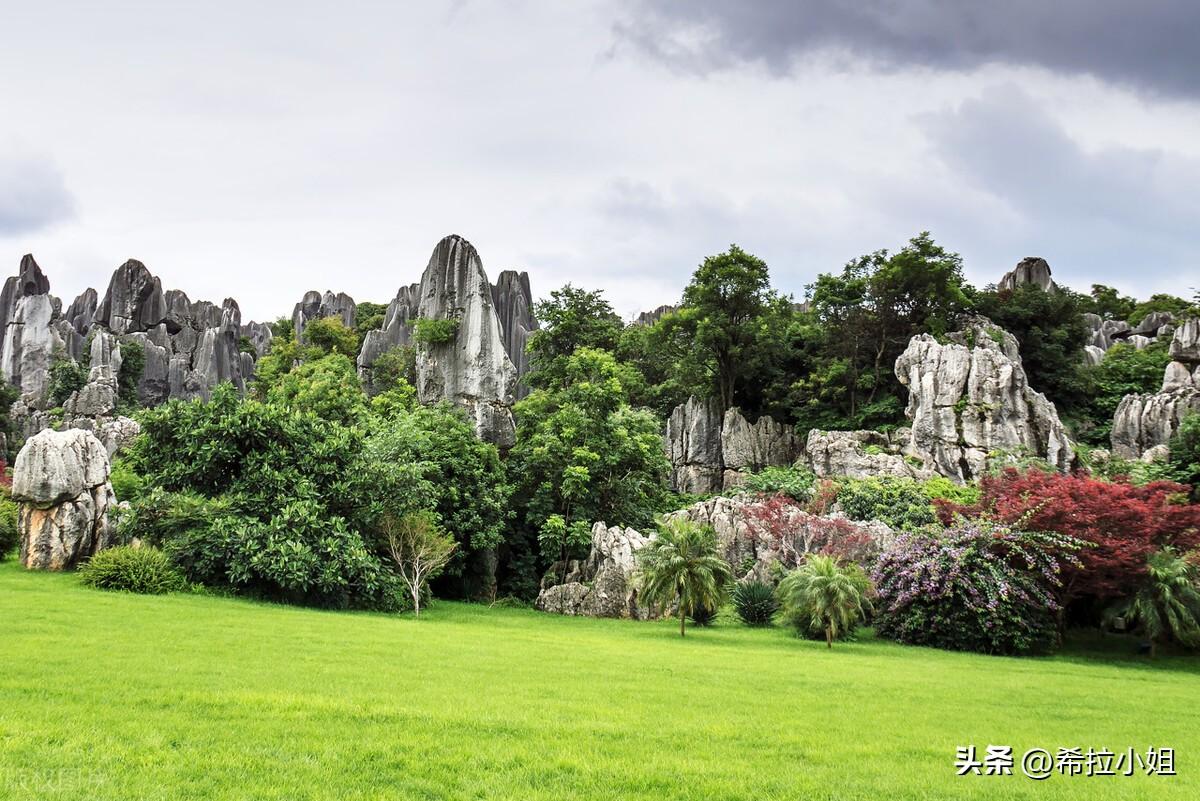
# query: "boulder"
[652,317]
[969,398]
[1092,355]
[1111,332]
[31,343]
[601,585]
[472,369]
[60,480]
[1152,323]
[1176,376]
[1030,270]
[1185,343]
[396,331]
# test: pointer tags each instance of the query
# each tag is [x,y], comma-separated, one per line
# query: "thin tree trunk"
[416,594]
[829,636]
[681,621]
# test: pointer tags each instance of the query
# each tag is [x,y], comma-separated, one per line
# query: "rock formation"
[652,317]
[513,301]
[969,398]
[396,332]
[709,451]
[317,306]
[1029,270]
[1145,422]
[860,454]
[60,480]
[600,585]
[472,369]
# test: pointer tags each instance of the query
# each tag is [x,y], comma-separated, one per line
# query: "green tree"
[368,317]
[66,377]
[393,368]
[1167,604]
[571,319]
[328,387]
[1125,370]
[1109,303]
[419,549]
[330,335]
[133,364]
[1185,454]
[826,597]
[681,567]
[1161,303]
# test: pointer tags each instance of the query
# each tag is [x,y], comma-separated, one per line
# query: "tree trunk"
[829,636]
[1153,648]
[681,622]
[416,594]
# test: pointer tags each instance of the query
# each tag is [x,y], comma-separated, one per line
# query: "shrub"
[978,586]
[1123,523]
[10,538]
[824,599]
[66,377]
[681,567]
[133,363]
[429,331]
[779,525]
[1167,604]
[703,615]
[902,503]
[795,482]
[126,483]
[142,570]
[755,602]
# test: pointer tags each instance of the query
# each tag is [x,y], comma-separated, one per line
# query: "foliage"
[582,453]
[133,364]
[824,598]
[1125,370]
[565,541]
[902,503]
[158,517]
[246,345]
[572,319]
[942,488]
[1122,523]
[429,331]
[862,320]
[420,550]
[10,536]
[977,586]
[327,387]
[1161,303]
[143,570]
[126,483]
[394,368]
[795,482]
[1051,333]
[399,399]
[781,526]
[703,615]
[8,396]
[680,567]
[1109,303]
[754,602]
[1166,606]
[368,317]
[66,377]
[1184,460]
[330,335]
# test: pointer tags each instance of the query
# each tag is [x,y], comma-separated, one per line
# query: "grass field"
[112,696]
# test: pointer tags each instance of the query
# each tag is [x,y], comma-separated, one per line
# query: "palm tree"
[681,566]
[822,596]
[1167,605]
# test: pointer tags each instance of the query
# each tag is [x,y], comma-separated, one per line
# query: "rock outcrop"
[1029,270]
[600,585]
[396,332]
[60,480]
[1143,423]
[969,399]
[318,306]
[710,451]
[513,301]
[860,454]
[652,317]
[471,368]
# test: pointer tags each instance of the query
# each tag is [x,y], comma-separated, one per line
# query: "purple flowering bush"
[976,586]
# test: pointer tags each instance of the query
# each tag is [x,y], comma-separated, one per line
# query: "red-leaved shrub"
[779,524]
[1123,523]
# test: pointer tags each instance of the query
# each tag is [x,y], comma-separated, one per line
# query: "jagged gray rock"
[318,306]
[513,301]
[969,398]
[472,370]
[747,448]
[260,336]
[1185,344]
[1142,423]
[60,480]
[602,584]
[1029,270]
[693,446]
[1153,323]
[857,454]
[134,300]
[1092,355]
[396,332]
[652,317]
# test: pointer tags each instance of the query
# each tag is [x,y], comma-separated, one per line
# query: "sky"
[259,150]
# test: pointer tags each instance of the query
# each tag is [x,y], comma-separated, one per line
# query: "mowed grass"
[114,696]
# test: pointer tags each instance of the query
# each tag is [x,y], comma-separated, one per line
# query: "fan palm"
[681,566]
[1167,605]
[823,596]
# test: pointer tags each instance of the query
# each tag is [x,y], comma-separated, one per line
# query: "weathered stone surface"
[652,317]
[30,343]
[513,301]
[81,314]
[857,454]
[746,447]
[1092,355]
[1109,333]
[970,397]
[134,300]
[1176,376]
[60,480]
[1030,270]
[318,306]
[472,370]
[1143,422]
[1152,323]
[1138,341]
[693,446]
[601,585]
[260,336]
[1185,343]
[395,333]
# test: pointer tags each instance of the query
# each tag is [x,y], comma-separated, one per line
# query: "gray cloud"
[1149,44]
[34,195]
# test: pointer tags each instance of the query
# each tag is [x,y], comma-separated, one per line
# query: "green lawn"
[112,696]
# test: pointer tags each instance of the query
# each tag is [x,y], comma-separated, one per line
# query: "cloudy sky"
[262,149]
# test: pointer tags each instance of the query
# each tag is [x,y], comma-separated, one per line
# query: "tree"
[573,318]
[1125,370]
[66,377]
[330,335]
[328,387]
[1161,303]
[1166,605]
[1109,303]
[133,364]
[681,566]
[822,595]
[1184,460]
[368,317]
[1051,334]
[420,550]
[866,316]
[392,368]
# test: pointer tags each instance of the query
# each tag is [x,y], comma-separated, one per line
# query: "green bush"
[133,364]
[755,602]
[942,488]
[429,331]
[703,615]
[9,537]
[66,377]
[795,482]
[902,503]
[126,483]
[142,570]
